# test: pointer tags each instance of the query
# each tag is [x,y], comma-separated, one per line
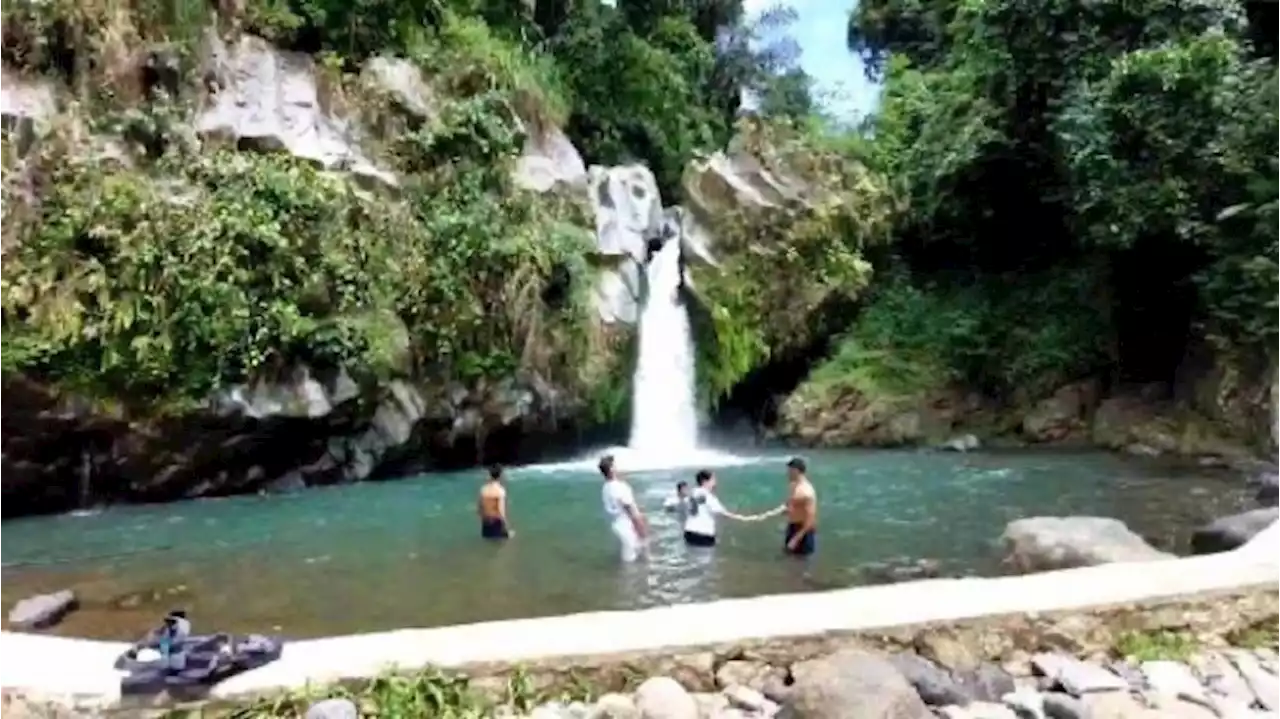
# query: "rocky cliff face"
[295,423]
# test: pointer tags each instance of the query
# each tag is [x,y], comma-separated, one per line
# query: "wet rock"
[1037,544]
[1268,490]
[333,709]
[933,683]
[1227,533]
[42,610]
[664,698]
[901,569]
[962,443]
[150,597]
[852,684]
[1076,677]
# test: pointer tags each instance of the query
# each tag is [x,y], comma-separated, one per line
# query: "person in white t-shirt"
[620,508]
[703,508]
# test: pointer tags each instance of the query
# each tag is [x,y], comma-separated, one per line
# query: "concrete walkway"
[79,670]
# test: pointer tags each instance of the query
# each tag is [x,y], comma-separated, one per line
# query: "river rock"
[933,683]
[1076,677]
[978,710]
[1268,490]
[1124,705]
[615,706]
[1175,678]
[1263,684]
[664,698]
[852,684]
[985,682]
[333,709]
[42,610]
[1038,544]
[1227,533]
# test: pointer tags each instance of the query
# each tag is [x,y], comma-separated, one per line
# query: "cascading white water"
[664,418]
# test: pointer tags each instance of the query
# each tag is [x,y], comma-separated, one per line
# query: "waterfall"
[664,416]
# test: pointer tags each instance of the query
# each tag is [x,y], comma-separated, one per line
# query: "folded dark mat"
[196,661]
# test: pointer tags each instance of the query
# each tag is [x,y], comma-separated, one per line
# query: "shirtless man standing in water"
[801,509]
[492,506]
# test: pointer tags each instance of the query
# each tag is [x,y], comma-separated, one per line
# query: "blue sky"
[820,31]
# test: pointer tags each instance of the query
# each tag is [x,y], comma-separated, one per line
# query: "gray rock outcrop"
[1038,544]
[269,99]
[42,611]
[1227,533]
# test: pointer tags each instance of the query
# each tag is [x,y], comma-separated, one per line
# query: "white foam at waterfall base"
[664,415]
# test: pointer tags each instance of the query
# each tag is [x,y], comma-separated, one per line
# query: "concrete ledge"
[1214,592]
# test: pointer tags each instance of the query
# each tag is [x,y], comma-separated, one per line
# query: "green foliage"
[222,267]
[1160,645]
[1026,138]
[787,270]
[910,339]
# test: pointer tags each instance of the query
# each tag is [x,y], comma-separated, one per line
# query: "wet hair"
[703,476]
[797,464]
[681,485]
[606,465]
[495,471]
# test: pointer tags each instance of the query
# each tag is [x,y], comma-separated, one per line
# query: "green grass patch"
[429,692]
[1151,646]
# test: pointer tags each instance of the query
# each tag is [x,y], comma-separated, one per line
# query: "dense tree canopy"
[1089,186]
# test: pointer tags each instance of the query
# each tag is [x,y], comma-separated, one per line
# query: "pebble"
[333,709]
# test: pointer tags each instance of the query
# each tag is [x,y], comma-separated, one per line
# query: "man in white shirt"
[625,518]
[704,506]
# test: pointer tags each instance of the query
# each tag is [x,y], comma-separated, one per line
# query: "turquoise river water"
[379,556]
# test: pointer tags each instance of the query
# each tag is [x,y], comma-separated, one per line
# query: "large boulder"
[1227,533]
[43,610]
[549,160]
[628,211]
[1062,415]
[1038,544]
[264,97]
[852,684]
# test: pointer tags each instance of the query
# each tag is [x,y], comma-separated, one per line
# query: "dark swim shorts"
[806,545]
[493,529]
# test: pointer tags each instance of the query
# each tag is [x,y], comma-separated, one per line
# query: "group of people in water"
[696,508]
